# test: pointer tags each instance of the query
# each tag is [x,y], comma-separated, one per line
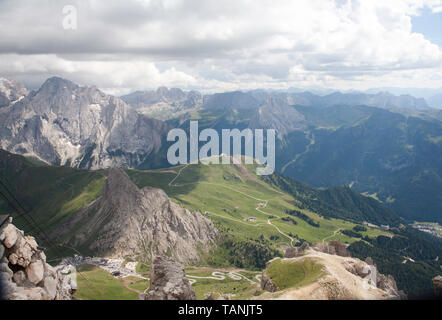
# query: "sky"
[223,45]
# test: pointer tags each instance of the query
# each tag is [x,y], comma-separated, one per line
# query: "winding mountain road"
[262,204]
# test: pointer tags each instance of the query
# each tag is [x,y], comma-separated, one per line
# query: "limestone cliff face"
[24,273]
[126,221]
[65,124]
[168,282]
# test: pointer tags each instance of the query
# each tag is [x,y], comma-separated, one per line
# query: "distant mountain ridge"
[373,142]
[164,103]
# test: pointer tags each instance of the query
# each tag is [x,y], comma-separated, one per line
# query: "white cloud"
[221,45]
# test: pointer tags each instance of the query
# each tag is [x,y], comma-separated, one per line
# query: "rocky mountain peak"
[56,85]
[126,221]
[63,123]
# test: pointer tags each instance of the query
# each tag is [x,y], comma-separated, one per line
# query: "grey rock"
[267,284]
[388,284]
[5,268]
[5,276]
[294,252]
[35,271]
[11,236]
[333,247]
[164,103]
[50,285]
[20,278]
[130,221]
[36,281]
[10,92]
[168,282]
[22,252]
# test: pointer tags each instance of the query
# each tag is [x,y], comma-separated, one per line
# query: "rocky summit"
[337,277]
[127,221]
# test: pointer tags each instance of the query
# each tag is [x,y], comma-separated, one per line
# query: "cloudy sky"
[219,45]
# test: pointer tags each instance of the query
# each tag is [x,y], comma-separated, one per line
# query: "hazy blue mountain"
[435,101]
[231,100]
[395,158]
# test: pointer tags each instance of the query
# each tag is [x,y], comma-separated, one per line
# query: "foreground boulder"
[168,282]
[24,273]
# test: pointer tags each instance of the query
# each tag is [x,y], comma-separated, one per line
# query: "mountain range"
[207,215]
[384,146]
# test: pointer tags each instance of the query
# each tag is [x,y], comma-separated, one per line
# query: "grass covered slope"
[96,284]
[294,274]
[49,193]
[251,213]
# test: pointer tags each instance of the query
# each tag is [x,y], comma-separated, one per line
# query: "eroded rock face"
[333,247]
[267,284]
[131,221]
[168,282]
[24,273]
[294,252]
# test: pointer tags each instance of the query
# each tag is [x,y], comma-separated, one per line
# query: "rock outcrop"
[294,252]
[343,278]
[267,284]
[126,221]
[24,273]
[437,286]
[333,247]
[168,282]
